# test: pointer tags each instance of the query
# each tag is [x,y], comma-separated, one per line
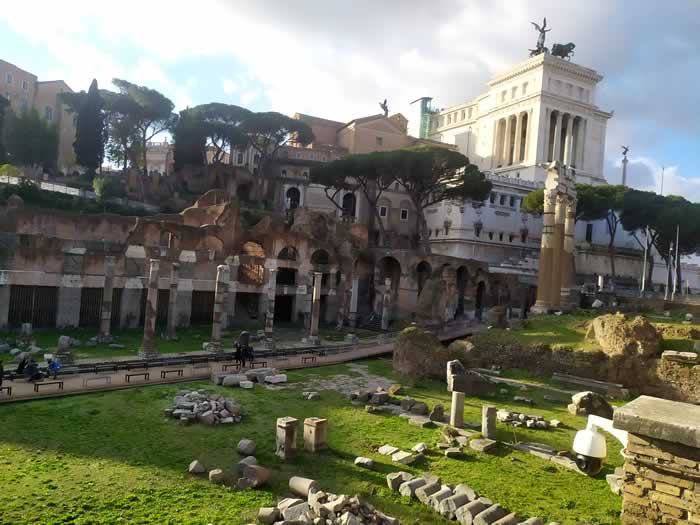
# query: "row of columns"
[556,272]
[510,143]
[566,138]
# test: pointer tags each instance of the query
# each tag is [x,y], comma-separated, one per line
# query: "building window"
[510,238]
[512,202]
[464,114]
[503,96]
[569,89]
[524,88]
[383,211]
[490,236]
[48,113]
[404,214]
[8,78]
[284,173]
[500,236]
[514,92]
[380,141]
[492,198]
[240,157]
[502,200]
[25,85]
[589,232]
[470,113]
[580,93]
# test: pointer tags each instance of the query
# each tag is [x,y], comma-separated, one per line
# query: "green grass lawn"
[113,457]
[570,331]
[189,339]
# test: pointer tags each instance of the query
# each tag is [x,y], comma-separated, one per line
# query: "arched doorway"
[388,268]
[243,191]
[293,198]
[349,206]
[287,276]
[462,280]
[423,271]
[480,294]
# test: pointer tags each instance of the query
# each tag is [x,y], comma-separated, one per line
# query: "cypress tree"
[90,130]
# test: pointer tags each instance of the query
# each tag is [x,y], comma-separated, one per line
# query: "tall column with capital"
[518,138]
[580,143]
[568,266]
[107,291]
[508,142]
[148,347]
[544,277]
[569,141]
[271,295]
[220,290]
[556,150]
[170,331]
[232,290]
[315,309]
[558,249]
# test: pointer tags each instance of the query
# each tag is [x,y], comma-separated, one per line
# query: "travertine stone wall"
[662,467]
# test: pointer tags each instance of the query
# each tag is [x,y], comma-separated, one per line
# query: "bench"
[308,359]
[146,376]
[137,365]
[87,380]
[164,373]
[7,389]
[46,383]
[254,364]
[235,366]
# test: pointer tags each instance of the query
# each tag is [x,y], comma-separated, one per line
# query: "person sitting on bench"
[21,366]
[53,367]
[31,371]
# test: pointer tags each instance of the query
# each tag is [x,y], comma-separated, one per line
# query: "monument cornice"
[546,59]
[573,105]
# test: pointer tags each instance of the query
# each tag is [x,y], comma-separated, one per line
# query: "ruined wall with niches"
[662,465]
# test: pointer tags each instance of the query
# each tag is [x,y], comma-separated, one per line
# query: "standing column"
[222,273]
[488,421]
[343,301]
[507,142]
[386,304]
[271,294]
[354,299]
[569,141]
[232,290]
[580,143]
[315,309]
[332,298]
[106,309]
[170,331]
[568,266]
[558,249]
[457,410]
[556,149]
[148,348]
[518,138]
[544,275]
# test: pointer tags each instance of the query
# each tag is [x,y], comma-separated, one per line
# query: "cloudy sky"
[337,59]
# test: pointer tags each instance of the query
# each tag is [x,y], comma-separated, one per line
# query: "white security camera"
[590,446]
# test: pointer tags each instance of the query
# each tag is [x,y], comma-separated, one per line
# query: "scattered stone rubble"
[248,474]
[459,502]
[518,419]
[248,378]
[205,407]
[587,403]
[311,505]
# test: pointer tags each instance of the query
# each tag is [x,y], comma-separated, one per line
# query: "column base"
[541,308]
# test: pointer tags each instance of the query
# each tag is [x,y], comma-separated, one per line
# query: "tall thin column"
[232,290]
[386,304]
[343,301]
[569,140]
[568,267]
[271,295]
[315,309]
[507,142]
[518,138]
[222,273]
[106,309]
[556,150]
[332,299]
[148,348]
[558,248]
[170,331]
[544,276]
[354,299]
[580,143]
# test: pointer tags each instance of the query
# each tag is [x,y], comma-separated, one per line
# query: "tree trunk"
[423,232]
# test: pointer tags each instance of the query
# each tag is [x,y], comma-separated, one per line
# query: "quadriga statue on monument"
[540,47]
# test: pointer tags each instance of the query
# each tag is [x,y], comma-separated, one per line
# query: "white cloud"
[230,87]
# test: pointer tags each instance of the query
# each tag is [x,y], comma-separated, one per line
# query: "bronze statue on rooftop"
[540,48]
[385,107]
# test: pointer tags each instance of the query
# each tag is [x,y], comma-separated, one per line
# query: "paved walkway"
[90,382]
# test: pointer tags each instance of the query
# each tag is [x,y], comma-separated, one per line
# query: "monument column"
[170,331]
[556,149]
[106,309]
[332,298]
[507,142]
[518,138]
[354,299]
[271,294]
[222,273]
[568,266]
[580,142]
[343,301]
[558,248]
[233,288]
[386,304]
[148,348]
[569,141]
[315,309]
[544,276]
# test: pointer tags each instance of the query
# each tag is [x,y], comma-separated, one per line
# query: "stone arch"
[293,198]
[349,205]
[252,269]
[288,253]
[287,276]
[462,283]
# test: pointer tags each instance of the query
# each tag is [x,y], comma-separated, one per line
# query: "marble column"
[107,291]
[271,294]
[233,289]
[457,410]
[386,304]
[354,299]
[170,331]
[315,309]
[556,150]
[544,274]
[507,142]
[286,437]
[580,142]
[518,138]
[343,301]
[569,140]
[557,250]
[315,434]
[332,298]
[488,421]
[568,266]
[222,274]
[148,348]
